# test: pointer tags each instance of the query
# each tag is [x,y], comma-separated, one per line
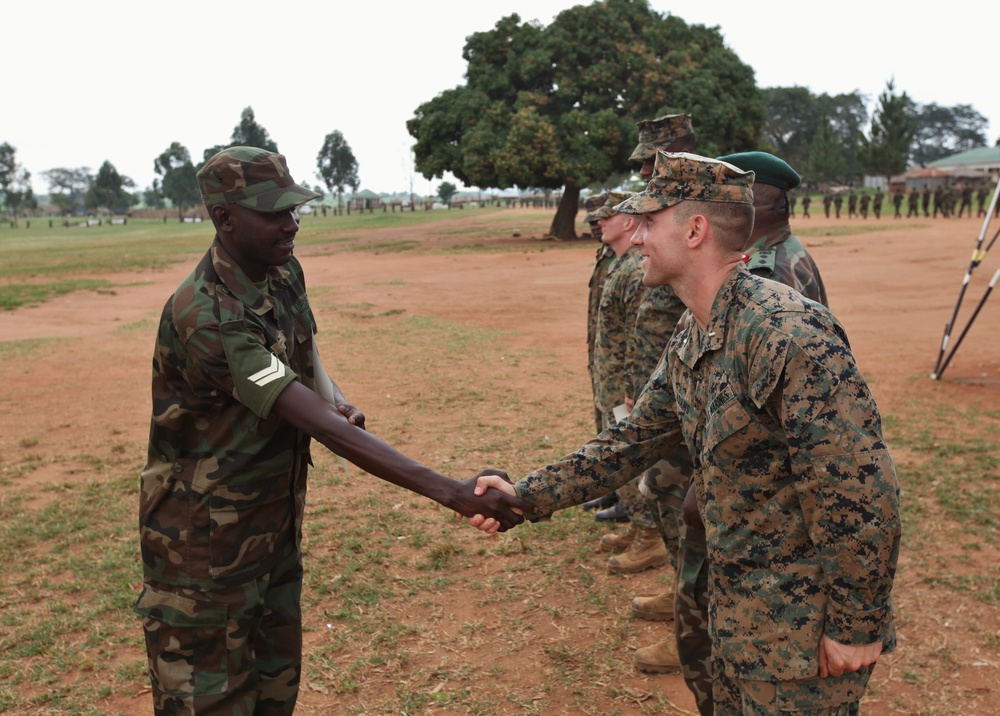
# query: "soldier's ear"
[221,217]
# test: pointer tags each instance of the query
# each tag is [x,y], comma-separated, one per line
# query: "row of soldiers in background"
[949,202]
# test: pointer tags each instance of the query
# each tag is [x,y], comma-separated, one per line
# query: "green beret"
[767,168]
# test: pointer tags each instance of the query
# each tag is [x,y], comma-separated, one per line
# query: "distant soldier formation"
[948,202]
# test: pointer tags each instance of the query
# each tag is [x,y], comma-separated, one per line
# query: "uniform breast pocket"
[726,417]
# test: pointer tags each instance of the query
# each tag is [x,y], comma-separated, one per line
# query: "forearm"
[323,422]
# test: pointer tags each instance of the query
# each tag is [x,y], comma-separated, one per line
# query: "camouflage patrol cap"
[660,133]
[591,204]
[255,178]
[682,176]
[614,198]
[767,169]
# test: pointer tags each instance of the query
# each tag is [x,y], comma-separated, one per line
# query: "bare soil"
[893,289]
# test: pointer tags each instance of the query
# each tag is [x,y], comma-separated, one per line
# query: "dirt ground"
[893,289]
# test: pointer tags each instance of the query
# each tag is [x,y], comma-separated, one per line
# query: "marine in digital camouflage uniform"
[603,259]
[633,326]
[236,398]
[793,478]
[664,484]
[774,253]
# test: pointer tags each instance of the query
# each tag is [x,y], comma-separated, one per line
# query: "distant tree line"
[76,189]
[554,107]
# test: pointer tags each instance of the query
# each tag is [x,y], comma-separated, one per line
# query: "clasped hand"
[497,509]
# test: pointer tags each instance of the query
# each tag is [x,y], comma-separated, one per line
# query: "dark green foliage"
[556,106]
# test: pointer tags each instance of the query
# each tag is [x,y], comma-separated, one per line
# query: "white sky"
[86,82]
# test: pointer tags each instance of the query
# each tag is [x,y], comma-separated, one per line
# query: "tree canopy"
[556,106]
[68,187]
[446,191]
[886,151]
[943,131]
[180,181]
[108,190]
[336,165]
[15,182]
[245,134]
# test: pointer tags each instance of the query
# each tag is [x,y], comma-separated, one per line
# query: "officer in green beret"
[238,394]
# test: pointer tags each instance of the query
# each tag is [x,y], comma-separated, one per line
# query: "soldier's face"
[613,228]
[595,230]
[257,239]
[657,239]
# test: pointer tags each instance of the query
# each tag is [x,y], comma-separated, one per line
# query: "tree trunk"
[564,222]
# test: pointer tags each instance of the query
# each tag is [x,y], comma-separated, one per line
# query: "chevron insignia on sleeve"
[273,372]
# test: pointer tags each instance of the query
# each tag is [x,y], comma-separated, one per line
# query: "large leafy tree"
[556,106]
[336,165]
[15,182]
[180,181]
[943,131]
[245,134]
[886,151]
[108,190]
[68,187]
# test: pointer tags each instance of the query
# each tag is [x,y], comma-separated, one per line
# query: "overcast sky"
[86,82]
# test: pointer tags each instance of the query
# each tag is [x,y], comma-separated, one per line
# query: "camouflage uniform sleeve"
[843,474]
[229,358]
[658,313]
[635,294]
[612,458]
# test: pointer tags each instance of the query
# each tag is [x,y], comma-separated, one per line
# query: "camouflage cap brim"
[658,134]
[682,176]
[252,177]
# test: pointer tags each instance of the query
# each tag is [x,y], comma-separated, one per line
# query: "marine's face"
[258,239]
[595,230]
[658,238]
[613,227]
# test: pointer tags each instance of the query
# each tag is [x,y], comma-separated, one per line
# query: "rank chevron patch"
[271,373]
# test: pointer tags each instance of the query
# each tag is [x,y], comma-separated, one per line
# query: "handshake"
[493,505]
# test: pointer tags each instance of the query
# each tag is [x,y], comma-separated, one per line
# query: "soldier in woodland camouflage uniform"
[852,204]
[223,491]
[877,202]
[838,201]
[794,482]
[865,201]
[912,202]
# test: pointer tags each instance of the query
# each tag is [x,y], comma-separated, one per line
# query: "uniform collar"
[772,237]
[238,283]
[695,341]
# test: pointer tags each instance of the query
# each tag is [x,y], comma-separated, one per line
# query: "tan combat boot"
[658,658]
[647,550]
[655,609]
[619,541]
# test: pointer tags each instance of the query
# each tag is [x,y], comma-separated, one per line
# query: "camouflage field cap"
[614,199]
[255,178]
[591,204]
[659,133]
[767,169]
[683,176]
